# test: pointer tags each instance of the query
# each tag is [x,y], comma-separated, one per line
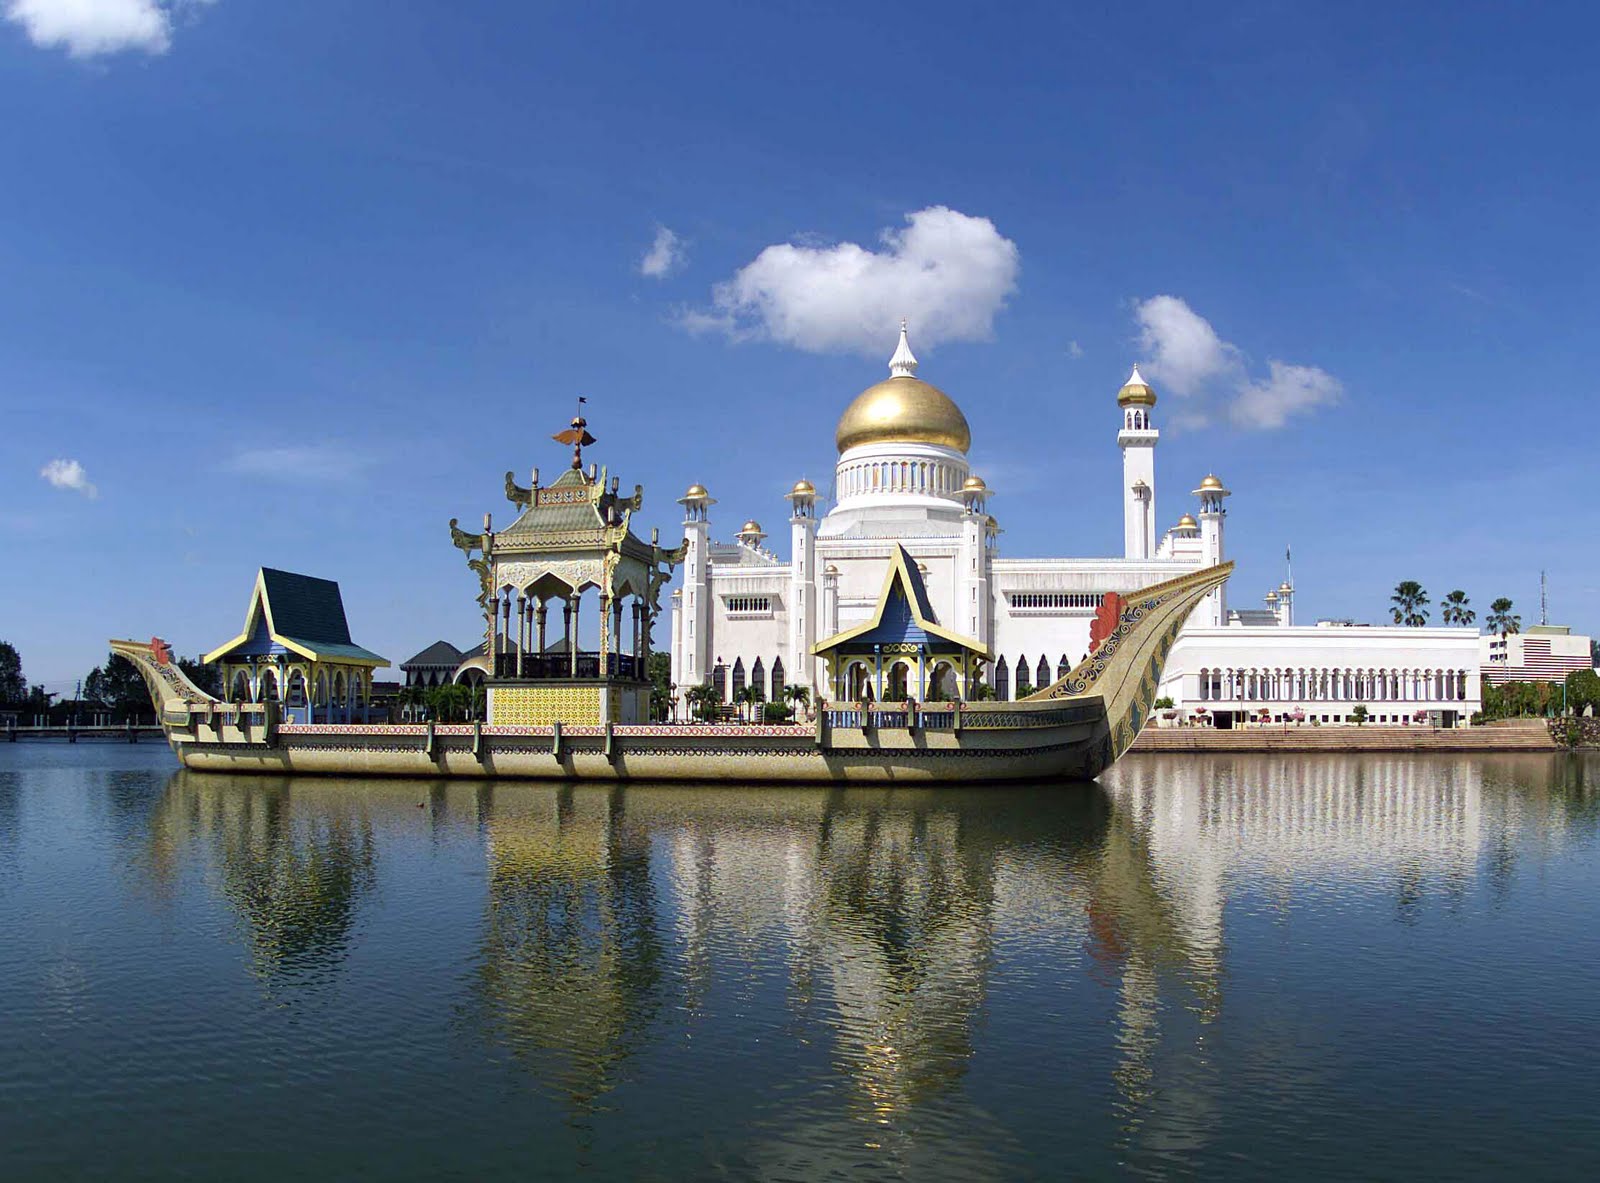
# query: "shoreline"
[1530,735]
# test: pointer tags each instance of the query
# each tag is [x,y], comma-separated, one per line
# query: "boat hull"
[1075,746]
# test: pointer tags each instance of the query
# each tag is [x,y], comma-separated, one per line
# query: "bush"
[1164,703]
[776,712]
[1359,714]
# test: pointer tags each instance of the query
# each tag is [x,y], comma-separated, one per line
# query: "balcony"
[591,666]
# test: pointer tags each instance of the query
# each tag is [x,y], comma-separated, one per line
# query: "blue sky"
[295,283]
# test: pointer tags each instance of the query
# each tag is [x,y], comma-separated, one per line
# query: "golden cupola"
[903,409]
[1136,392]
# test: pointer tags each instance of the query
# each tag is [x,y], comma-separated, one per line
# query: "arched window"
[758,678]
[1002,680]
[738,678]
[778,682]
[719,678]
[1042,674]
[1063,667]
[1024,675]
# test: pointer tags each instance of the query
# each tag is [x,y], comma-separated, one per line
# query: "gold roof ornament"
[974,484]
[1210,483]
[903,409]
[1136,392]
[1272,597]
[1187,522]
[752,530]
[803,488]
[696,495]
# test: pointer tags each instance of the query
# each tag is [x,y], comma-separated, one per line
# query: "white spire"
[903,364]
[1136,378]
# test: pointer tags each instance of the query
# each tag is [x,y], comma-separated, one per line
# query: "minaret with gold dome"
[1137,439]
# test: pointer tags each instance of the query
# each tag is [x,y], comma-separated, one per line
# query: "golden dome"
[1211,482]
[803,488]
[1272,597]
[974,484]
[1187,522]
[695,491]
[903,410]
[1136,392]
[752,527]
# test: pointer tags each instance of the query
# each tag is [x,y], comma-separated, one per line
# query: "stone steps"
[1525,735]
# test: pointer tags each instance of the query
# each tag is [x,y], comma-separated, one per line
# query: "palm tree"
[751,697]
[1408,601]
[1502,621]
[704,699]
[797,696]
[1456,610]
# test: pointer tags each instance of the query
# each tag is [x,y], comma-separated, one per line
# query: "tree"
[1408,601]
[1456,610]
[1359,714]
[1502,621]
[658,668]
[450,703]
[206,677]
[704,700]
[119,688]
[751,697]
[797,696]
[13,686]
[1164,703]
[1583,690]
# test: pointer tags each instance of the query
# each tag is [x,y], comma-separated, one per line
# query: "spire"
[903,364]
[1136,378]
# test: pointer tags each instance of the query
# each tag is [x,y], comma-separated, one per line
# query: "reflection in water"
[882,927]
[571,956]
[294,862]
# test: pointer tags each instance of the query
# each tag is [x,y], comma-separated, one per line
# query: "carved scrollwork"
[516,494]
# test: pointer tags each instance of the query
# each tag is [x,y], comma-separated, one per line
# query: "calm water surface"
[1254,967]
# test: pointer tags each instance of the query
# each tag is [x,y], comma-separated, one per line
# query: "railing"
[945,717]
[561,665]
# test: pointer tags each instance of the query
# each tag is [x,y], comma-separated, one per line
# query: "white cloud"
[316,463]
[1188,357]
[666,254]
[1184,351]
[1074,350]
[947,272]
[69,474]
[89,28]
[1287,390]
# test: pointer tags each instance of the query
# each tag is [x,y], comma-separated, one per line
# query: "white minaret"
[798,664]
[690,664]
[1213,610]
[972,582]
[1137,438]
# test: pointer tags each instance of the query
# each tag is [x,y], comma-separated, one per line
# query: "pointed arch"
[778,682]
[1002,680]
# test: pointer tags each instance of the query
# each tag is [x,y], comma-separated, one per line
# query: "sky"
[293,283]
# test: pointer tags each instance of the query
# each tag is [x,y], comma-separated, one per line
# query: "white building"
[1544,653]
[745,615]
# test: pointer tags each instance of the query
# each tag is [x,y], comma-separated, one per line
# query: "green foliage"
[13,686]
[1502,621]
[797,696]
[1583,690]
[1359,713]
[119,688]
[1456,609]
[1024,688]
[207,677]
[1164,703]
[450,704]
[658,668]
[1408,601]
[775,712]
[705,700]
[1521,700]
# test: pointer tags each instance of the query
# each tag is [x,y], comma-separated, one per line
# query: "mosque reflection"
[890,920]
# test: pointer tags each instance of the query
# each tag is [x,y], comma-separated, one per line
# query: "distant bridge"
[73,732]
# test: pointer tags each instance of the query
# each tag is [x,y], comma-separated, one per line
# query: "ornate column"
[522,605]
[539,613]
[572,637]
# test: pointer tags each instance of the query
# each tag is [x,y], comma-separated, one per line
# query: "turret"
[1214,608]
[799,663]
[690,666]
[1137,438]
[972,581]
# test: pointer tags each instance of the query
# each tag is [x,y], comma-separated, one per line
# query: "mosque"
[904,492]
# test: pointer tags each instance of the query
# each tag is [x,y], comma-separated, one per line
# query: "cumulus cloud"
[315,463]
[89,28]
[666,254]
[1188,357]
[949,273]
[69,475]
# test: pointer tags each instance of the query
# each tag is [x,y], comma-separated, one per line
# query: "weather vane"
[577,435]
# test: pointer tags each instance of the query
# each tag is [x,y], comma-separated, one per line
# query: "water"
[1263,967]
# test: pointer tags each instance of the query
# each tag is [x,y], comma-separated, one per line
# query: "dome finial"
[903,364]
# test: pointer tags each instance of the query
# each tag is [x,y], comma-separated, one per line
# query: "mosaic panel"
[535,706]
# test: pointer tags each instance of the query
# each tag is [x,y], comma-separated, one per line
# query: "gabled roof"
[303,614]
[902,585]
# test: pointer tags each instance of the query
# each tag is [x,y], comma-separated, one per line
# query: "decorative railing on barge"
[551,666]
[953,717]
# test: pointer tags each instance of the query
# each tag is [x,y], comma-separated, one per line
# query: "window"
[746,605]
